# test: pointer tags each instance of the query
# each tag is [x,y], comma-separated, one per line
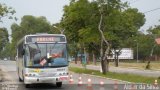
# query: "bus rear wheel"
[59,84]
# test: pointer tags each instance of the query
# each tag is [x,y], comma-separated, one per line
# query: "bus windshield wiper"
[53,47]
[39,51]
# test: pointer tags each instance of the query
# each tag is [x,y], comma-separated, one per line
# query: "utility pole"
[137,53]
[61,30]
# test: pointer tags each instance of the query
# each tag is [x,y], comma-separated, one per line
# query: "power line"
[152,10]
[134,1]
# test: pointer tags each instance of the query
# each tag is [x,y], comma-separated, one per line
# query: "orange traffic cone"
[80,81]
[70,79]
[115,85]
[133,87]
[155,83]
[101,83]
[89,85]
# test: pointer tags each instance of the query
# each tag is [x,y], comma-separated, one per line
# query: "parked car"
[5,59]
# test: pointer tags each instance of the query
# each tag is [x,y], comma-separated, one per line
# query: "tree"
[6,51]
[120,22]
[29,25]
[154,33]
[3,39]
[75,20]
[102,24]
[6,11]
[57,29]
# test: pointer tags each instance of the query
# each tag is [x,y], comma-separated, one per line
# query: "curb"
[107,78]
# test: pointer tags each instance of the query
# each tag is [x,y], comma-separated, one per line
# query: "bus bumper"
[35,80]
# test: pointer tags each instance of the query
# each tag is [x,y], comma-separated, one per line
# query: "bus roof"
[41,35]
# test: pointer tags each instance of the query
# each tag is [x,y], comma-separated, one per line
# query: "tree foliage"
[81,19]
[29,25]
[3,38]
[6,12]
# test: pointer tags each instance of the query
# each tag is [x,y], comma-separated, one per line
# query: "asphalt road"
[10,81]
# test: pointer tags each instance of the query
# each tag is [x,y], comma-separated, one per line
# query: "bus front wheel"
[20,80]
[59,84]
[27,85]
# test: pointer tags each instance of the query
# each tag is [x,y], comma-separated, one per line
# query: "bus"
[42,58]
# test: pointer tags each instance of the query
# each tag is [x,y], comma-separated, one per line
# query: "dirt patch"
[2,76]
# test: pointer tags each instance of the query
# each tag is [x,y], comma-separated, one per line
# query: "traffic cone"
[133,87]
[70,79]
[101,83]
[80,81]
[155,83]
[115,85]
[89,85]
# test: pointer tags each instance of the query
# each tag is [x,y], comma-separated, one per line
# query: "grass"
[124,77]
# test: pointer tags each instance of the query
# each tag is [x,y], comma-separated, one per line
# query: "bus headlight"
[30,75]
[64,73]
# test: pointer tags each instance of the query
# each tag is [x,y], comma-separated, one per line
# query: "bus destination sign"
[45,39]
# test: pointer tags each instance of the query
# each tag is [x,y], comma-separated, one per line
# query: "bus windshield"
[46,55]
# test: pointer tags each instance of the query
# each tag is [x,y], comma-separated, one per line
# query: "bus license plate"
[63,78]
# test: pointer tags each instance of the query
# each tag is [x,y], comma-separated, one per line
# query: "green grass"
[124,77]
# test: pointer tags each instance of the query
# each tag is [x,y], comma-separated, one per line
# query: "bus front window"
[38,55]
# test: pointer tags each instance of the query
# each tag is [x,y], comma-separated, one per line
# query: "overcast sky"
[53,10]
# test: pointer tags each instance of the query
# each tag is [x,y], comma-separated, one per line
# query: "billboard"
[125,53]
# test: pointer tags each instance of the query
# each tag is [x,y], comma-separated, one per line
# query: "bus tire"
[20,80]
[59,84]
[27,85]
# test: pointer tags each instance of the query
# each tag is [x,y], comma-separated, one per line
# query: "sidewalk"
[149,73]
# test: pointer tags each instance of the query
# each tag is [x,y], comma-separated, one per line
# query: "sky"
[53,10]
[147,7]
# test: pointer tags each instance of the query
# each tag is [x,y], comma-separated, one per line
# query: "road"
[10,80]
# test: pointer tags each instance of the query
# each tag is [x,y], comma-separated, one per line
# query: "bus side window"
[23,52]
[20,50]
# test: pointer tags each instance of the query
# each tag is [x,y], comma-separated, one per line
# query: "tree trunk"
[104,65]
[81,58]
[116,59]
[103,55]
[94,59]
[76,58]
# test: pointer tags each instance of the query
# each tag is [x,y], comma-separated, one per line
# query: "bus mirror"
[69,61]
[23,52]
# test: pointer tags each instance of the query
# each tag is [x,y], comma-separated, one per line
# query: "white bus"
[42,58]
